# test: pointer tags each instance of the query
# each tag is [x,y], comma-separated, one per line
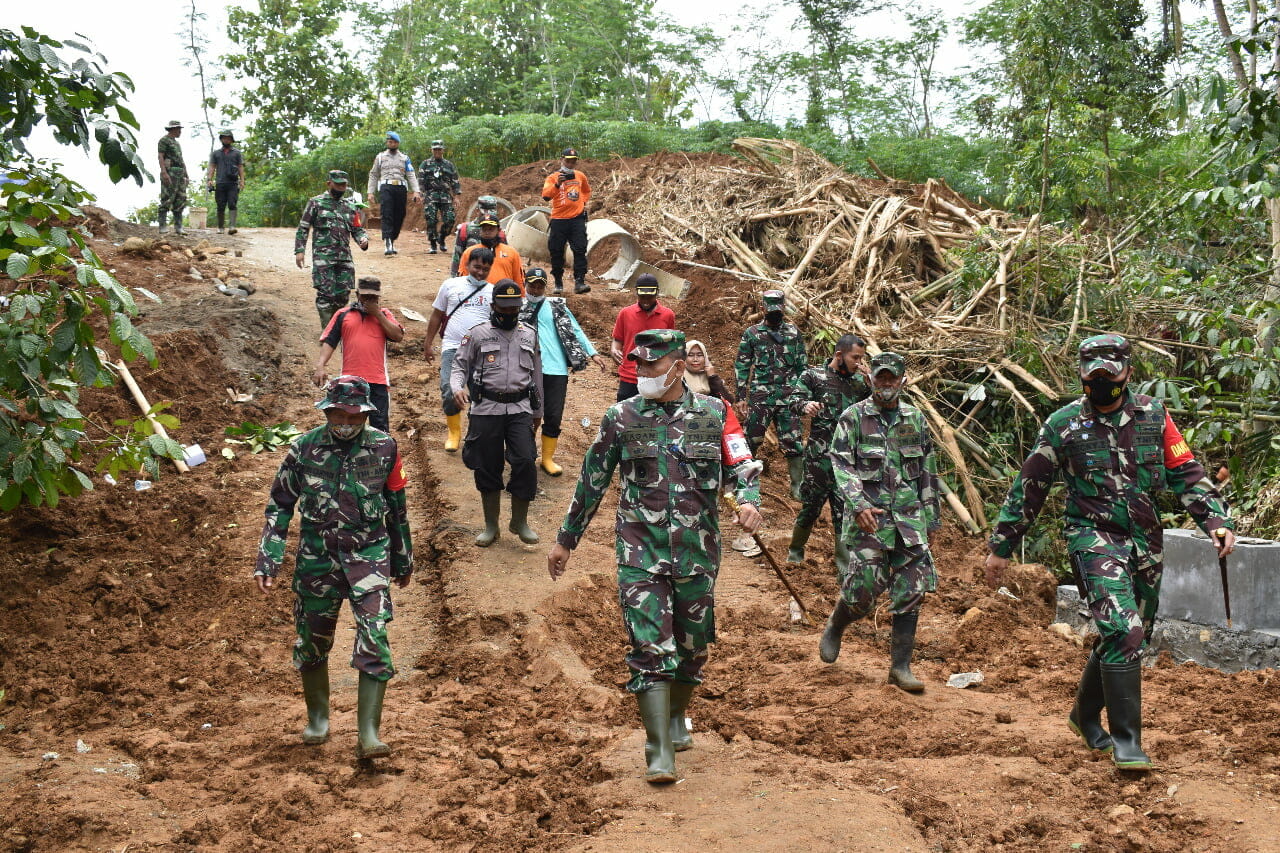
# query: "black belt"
[507,397]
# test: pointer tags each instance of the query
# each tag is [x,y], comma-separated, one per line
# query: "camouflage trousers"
[333,282]
[320,586]
[785,422]
[173,195]
[906,572]
[439,215]
[819,487]
[1122,599]
[670,622]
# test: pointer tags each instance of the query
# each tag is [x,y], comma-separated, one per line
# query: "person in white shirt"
[462,303]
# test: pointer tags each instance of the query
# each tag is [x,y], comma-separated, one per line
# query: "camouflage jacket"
[336,222]
[1112,465]
[887,466]
[439,178]
[172,151]
[670,455]
[769,361]
[351,499]
[821,384]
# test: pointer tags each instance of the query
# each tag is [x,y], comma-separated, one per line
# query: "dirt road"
[130,626]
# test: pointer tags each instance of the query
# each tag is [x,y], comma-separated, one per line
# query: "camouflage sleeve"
[797,357]
[400,545]
[800,392]
[742,365]
[597,471]
[275,533]
[458,249]
[1026,495]
[457,184]
[304,228]
[844,464]
[929,484]
[1190,482]
[357,229]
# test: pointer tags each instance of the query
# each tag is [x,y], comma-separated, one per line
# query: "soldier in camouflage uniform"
[675,449]
[336,222]
[440,183]
[886,473]
[344,478]
[771,357]
[173,177]
[469,232]
[824,392]
[1115,450]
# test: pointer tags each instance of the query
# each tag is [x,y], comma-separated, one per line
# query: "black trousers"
[574,232]
[380,396]
[391,207]
[493,439]
[226,195]
[554,389]
[626,390]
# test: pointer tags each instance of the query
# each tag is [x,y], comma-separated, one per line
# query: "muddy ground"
[129,625]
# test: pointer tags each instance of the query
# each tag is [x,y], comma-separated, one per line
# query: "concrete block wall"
[1192,588]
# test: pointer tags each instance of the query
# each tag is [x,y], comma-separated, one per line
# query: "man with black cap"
[391,177]
[506,260]
[1116,450]
[673,449]
[468,233]
[362,330]
[886,474]
[646,314]
[440,183]
[173,177]
[226,177]
[568,191]
[498,371]
[336,222]
[345,481]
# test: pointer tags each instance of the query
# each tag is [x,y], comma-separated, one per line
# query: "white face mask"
[534,300]
[653,387]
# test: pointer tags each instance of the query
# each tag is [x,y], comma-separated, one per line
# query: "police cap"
[507,294]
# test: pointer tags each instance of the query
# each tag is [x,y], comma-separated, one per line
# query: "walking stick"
[732,503]
[1220,534]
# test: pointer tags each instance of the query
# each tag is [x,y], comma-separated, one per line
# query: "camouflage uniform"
[468,234]
[336,222]
[355,539]
[769,361]
[439,179]
[835,392]
[173,195]
[668,533]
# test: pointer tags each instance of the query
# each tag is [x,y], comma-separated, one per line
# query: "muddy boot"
[392,245]
[681,693]
[455,433]
[799,536]
[743,542]
[177,224]
[369,717]
[386,246]
[904,643]
[520,522]
[231,226]
[559,286]
[1122,689]
[163,217]
[795,467]
[433,249]
[581,286]
[315,689]
[655,713]
[1085,718]
[829,645]
[548,456]
[492,503]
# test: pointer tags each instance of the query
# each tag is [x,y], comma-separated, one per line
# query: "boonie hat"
[369,284]
[507,294]
[391,134]
[439,143]
[535,274]
[890,361]
[774,300]
[653,344]
[338,176]
[171,125]
[569,154]
[226,131]
[1110,352]
[347,392]
[647,285]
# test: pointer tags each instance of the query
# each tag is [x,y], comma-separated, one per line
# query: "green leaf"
[17,265]
[10,497]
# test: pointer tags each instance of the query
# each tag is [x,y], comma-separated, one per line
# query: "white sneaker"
[744,542]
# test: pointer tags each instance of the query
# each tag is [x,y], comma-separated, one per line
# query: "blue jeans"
[446,395]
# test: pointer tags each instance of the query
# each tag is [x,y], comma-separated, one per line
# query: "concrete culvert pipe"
[617,248]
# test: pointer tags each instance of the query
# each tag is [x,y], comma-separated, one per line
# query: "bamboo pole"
[1027,377]
[141,400]
[813,250]
[957,506]
[947,439]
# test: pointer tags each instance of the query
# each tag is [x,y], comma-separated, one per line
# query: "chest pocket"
[912,461]
[640,463]
[490,360]
[526,356]
[871,459]
[1089,458]
[703,463]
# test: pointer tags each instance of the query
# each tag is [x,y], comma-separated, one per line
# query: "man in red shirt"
[363,329]
[568,191]
[645,314]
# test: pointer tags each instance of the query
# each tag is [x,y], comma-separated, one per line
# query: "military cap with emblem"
[488,219]
[338,176]
[507,294]
[890,361]
[347,392]
[774,300]
[647,285]
[653,344]
[535,274]
[439,143]
[1109,352]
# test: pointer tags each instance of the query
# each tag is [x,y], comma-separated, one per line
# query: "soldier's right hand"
[812,407]
[867,521]
[299,258]
[265,583]
[558,561]
[993,570]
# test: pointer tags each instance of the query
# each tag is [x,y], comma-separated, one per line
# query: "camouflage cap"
[338,176]
[226,131]
[1109,352]
[369,284]
[647,285]
[774,300]
[653,344]
[507,294]
[171,125]
[890,361]
[347,392]
[487,202]
[439,143]
[535,274]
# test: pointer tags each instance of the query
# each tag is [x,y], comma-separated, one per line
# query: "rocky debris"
[137,246]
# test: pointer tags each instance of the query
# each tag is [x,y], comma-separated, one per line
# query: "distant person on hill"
[173,177]
[461,303]
[391,178]
[362,330]
[506,260]
[568,191]
[226,177]
[646,314]
[469,232]
[335,222]
[440,181]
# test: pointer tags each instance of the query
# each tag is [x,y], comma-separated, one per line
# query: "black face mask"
[1103,390]
[337,193]
[506,322]
[773,318]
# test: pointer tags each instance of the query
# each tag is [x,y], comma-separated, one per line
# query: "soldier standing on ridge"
[345,481]
[226,177]
[336,222]
[392,178]
[173,177]
[440,181]
[1115,450]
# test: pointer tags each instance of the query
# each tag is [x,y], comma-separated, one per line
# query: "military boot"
[655,713]
[492,503]
[681,693]
[904,643]
[369,698]
[392,245]
[177,224]
[315,689]
[559,285]
[386,246]
[231,226]
[829,645]
[1085,718]
[433,249]
[1122,689]
[580,286]
[795,467]
[520,522]
[455,433]
[799,536]
[163,217]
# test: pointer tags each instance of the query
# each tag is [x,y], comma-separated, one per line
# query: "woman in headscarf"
[700,375]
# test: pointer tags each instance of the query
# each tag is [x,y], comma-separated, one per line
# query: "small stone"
[49,756]
[195,273]
[1063,630]
[1173,789]
[135,245]
[971,614]
[1004,717]
[1121,810]
[82,747]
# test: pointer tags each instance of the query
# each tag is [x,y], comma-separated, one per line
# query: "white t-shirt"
[473,312]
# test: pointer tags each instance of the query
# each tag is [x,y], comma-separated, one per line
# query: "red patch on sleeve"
[1176,451]
[355,220]
[397,480]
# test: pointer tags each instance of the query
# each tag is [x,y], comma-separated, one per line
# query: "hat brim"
[508,301]
[648,290]
[367,291]
[349,408]
[1113,366]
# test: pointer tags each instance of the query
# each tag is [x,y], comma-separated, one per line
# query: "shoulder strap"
[479,288]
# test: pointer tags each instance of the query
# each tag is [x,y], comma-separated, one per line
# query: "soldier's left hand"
[812,407]
[558,560]
[749,518]
[993,570]
[1227,543]
[364,245]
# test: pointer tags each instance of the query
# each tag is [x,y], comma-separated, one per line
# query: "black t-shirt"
[227,165]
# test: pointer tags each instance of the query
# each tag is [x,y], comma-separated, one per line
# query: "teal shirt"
[553,361]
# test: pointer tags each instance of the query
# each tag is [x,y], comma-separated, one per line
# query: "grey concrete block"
[1192,588]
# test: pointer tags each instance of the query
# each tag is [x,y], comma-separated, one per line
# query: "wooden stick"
[738,273]
[141,400]
[958,507]
[813,249]
[947,438]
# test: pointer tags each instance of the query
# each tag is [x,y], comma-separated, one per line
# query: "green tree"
[59,285]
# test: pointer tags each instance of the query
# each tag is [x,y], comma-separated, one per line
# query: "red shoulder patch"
[396,480]
[1176,451]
